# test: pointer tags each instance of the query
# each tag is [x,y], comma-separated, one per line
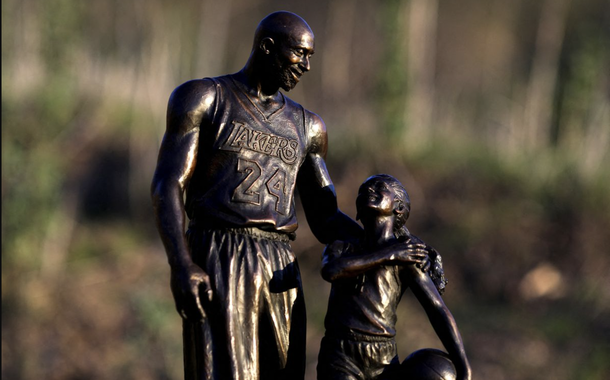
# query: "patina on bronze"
[369,277]
[238,148]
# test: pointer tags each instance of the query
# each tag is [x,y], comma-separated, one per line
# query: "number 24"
[248,191]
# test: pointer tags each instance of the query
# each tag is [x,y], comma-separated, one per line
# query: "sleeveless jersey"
[247,163]
[366,304]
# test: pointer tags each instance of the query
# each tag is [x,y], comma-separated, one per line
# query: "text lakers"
[247,138]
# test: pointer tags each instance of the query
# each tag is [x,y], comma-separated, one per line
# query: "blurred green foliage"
[521,218]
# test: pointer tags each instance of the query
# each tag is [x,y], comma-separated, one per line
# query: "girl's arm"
[441,319]
[337,266]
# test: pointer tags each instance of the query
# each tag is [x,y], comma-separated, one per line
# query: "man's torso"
[247,163]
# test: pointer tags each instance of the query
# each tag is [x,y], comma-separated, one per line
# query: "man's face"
[291,60]
[376,196]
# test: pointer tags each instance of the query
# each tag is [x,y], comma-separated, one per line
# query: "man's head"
[384,195]
[283,45]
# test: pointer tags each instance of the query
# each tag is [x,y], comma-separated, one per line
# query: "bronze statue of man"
[239,148]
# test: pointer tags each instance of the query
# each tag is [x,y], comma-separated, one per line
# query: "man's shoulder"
[292,103]
[310,116]
[194,93]
[316,132]
[197,84]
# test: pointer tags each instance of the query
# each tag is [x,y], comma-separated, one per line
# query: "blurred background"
[494,114]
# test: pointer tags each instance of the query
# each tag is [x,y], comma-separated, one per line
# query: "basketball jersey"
[247,163]
[366,304]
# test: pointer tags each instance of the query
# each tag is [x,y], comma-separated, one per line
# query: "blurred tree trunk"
[58,237]
[543,76]
[597,140]
[336,72]
[420,17]
[22,43]
[213,36]
[498,76]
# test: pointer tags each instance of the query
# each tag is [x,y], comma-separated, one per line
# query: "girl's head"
[384,193]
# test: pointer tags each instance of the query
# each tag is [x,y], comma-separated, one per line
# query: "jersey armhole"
[306,128]
[216,97]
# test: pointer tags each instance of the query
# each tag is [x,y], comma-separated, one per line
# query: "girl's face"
[376,195]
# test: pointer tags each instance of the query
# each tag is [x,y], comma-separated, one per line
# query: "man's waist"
[259,232]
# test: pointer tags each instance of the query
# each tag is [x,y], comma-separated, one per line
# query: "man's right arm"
[317,191]
[190,106]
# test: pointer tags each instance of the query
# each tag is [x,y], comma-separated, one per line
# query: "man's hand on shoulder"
[409,252]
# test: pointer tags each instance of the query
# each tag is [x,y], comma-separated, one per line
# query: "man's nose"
[305,66]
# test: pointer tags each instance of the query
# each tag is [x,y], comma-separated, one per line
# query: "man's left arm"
[317,191]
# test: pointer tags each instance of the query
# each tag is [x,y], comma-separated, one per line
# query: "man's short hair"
[279,26]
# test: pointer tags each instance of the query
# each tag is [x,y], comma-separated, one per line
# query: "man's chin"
[288,83]
[288,86]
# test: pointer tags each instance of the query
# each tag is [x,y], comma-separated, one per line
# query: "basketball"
[428,364]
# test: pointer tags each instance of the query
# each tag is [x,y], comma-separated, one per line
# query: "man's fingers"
[417,251]
[200,308]
[422,246]
[426,266]
[209,295]
[416,258]
[191,305]
[192,291]
[204,292]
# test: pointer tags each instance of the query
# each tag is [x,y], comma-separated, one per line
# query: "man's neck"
[267,97]
[253,77]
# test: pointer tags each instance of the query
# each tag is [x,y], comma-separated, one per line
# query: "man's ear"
[267,45]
